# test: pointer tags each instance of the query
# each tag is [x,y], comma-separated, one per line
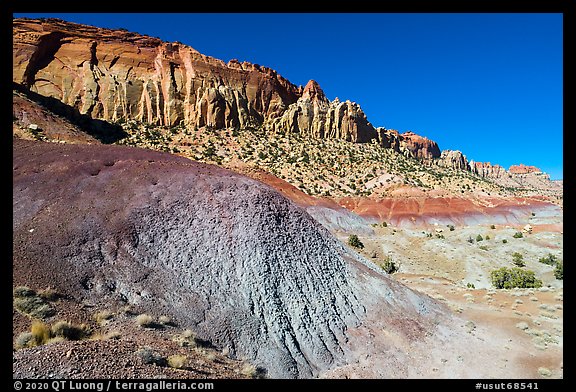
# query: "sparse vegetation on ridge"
[318,167]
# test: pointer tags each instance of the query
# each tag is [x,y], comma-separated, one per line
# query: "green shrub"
[559,270]
[23,291]
[389,266]
[149,356]
[355,242]
[25,339]
[518,259]
[550,259]
[27,302]
[508,278]
[479,238]
[518,234]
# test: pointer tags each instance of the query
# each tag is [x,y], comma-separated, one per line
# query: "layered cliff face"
[114,75]
[487,170]
[315,116]
[453,159]
[418,146]
[523,169]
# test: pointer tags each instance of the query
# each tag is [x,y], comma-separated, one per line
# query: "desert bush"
[470,240]
[355,242]
[508,278]
[23,291]
[479,238]
[70,331]
[25,339]
[518,234]
[145,320]
[49,294]
[149,356]
[483,247]
[384,224]
[451,227]
[550,259]
[504,241]
[27,301]
[389,266]
[470,285]
[559,270]
[492,226]
[487,237]
[177,361]
[518,259]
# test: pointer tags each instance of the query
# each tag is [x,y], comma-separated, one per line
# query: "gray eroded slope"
[219,252]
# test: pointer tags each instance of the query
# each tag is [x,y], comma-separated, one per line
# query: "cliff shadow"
[101,130]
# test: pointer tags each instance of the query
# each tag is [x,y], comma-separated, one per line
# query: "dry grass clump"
[145,320]
[49,294]
[165,320]
[103,316]
[249,370]
[40,333]
[186,339]
[177,361]
[70,331]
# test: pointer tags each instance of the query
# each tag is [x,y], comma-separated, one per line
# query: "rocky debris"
[313,115]
[227,256]
[117,75]
[117,358]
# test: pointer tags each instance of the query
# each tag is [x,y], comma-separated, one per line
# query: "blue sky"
[489,85]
